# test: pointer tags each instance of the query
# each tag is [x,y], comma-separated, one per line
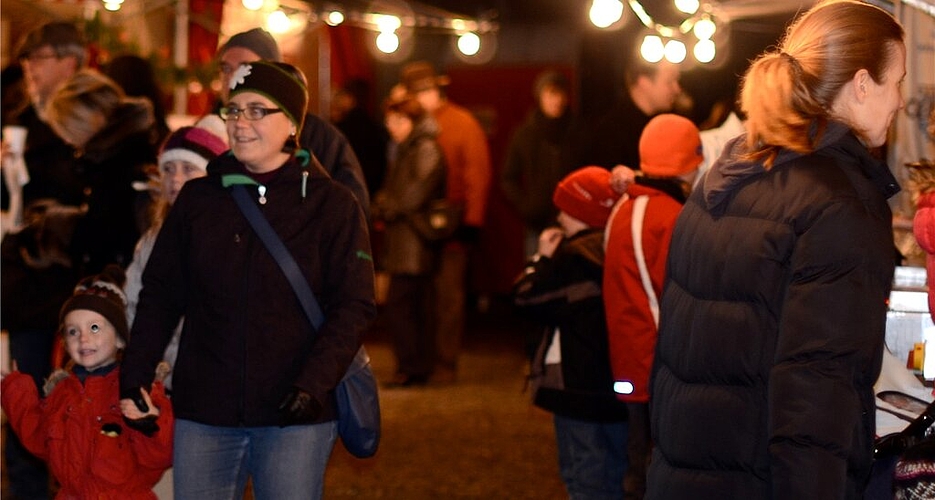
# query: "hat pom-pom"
[114,274]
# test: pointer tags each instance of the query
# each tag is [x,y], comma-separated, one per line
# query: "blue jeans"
[285,463]
[592,458]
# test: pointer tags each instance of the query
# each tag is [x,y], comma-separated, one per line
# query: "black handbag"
[357,398]
[438,221]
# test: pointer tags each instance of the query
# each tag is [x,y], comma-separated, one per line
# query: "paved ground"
[477,439]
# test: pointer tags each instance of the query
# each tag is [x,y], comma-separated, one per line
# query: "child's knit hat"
[586,195]
[670,146]
[195,145]
[277,82]
[103,294]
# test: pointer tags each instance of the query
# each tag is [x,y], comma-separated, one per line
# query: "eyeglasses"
[251,113]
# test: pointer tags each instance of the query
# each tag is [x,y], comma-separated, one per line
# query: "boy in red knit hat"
[637,244]
[78,427]
[561,289]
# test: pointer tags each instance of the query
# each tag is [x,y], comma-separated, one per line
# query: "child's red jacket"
[79,430]
[924,230]
[631,327]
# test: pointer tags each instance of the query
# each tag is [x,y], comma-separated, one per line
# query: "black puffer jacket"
[563,293]
[772,327]
[246,341]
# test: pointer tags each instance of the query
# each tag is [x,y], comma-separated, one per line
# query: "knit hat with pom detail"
[278,82]
[586,195]
[103,294]
[195,145]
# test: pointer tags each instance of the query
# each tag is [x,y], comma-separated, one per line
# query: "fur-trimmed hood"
[134,117]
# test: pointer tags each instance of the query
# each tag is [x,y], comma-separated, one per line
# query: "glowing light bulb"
[652,49]
[252,4]
[704,29]
[278,22]
[687,6]
[604,13]
[387,42]
[675,51]
[112,6]
[388,24]
[334,18]
[469,43]
[704,51]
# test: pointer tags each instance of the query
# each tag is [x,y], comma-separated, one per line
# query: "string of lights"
[392,22]
[662,41]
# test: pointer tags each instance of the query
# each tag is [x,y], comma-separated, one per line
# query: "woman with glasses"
[253,383]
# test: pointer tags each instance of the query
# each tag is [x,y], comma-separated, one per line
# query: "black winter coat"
[245,341]
[32,296]
[112,160]
[772,327]
[415,178]
[542,152]
[336,155]
[564,293]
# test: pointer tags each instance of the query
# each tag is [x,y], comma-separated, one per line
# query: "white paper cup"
[15,137]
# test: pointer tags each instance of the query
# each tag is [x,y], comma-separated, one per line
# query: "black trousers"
[410,318]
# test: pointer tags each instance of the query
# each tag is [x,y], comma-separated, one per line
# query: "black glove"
[147,425]
[298,407]
[134,394]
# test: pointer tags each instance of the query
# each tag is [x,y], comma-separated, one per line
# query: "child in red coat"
[78,427]
[922,175]
[637,246]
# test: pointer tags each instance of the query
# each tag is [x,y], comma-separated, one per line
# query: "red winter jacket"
[631,326]
[464,144]
[923,227]
[79,430]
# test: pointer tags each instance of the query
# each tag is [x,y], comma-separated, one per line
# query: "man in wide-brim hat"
[420,75]
[464,144]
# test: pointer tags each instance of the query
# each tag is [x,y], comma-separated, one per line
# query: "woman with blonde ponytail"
[773,316]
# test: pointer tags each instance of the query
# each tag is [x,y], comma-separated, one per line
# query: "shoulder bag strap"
[279,252]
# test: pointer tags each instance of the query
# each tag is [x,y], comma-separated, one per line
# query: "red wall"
[500,97]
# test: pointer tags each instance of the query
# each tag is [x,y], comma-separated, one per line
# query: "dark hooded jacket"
[772,327]
[111,161]
[246,341]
